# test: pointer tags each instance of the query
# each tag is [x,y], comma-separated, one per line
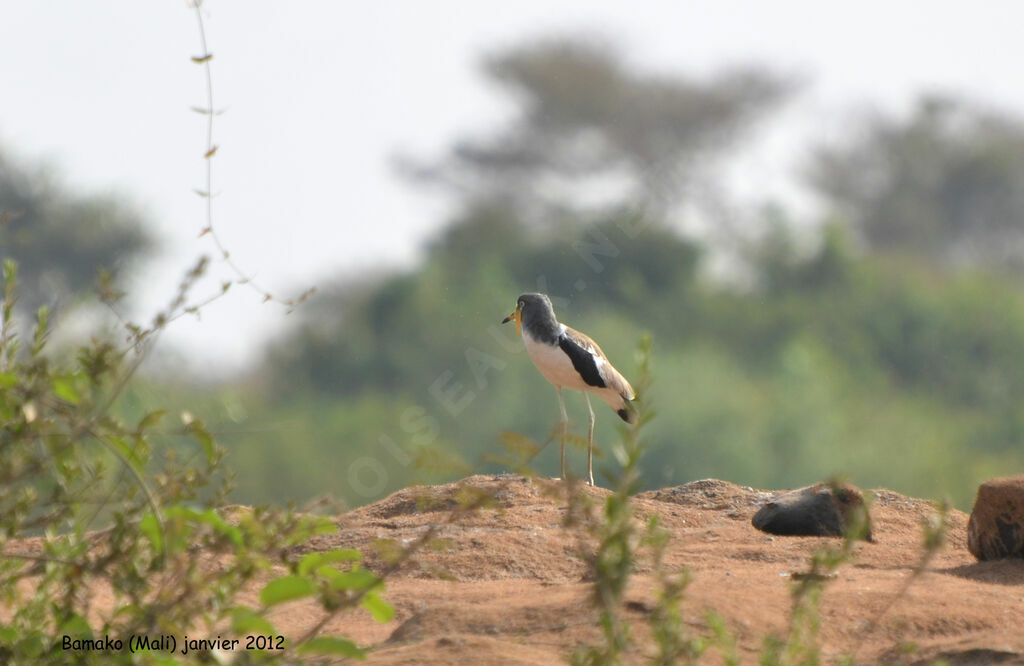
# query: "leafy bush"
[93,506]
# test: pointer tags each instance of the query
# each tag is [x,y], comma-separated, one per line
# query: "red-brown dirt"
[505,585]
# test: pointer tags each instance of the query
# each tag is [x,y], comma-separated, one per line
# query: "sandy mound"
[505,585]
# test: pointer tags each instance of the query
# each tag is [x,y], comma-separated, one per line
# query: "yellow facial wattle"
[518,316]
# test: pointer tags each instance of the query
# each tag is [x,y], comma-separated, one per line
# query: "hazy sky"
[320,95]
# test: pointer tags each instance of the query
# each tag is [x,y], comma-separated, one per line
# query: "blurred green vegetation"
[880,368]
[851,347]
[65,242]
[885,344]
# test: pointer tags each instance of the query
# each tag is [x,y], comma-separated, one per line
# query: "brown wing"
[613,379]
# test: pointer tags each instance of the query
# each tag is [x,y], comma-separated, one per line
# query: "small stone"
[818,510]
[996,528]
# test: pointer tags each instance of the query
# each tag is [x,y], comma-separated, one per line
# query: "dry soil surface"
[507,585]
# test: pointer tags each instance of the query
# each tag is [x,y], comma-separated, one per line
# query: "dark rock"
[819,510]
[996,528]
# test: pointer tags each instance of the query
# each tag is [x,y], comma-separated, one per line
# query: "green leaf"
[247,621]
[381,610]
[315,560]
[356,579]
[7,379]
[620,453]
[64,389]
[150,526]
[197,429]
[331,645]
[76,625]
[205,439]
[31,645]
[8,635]
[286,588]
[151,419]
[330,574]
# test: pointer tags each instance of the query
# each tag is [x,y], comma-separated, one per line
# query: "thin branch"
[203,59]
[150,497]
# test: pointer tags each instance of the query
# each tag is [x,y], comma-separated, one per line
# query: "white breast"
[554,364]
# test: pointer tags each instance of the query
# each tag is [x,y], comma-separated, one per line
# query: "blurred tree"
[61,240]
[592,132]
[948,183]
[555,201]
[879,366]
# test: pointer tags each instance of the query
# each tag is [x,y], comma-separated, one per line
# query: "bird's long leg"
[590,442]
[565,426]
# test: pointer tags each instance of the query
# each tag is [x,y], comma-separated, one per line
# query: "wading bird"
[570,359]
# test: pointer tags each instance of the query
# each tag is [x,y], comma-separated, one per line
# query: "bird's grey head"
[535,307]
[537,316]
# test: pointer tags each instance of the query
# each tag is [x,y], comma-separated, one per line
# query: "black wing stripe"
[582,360]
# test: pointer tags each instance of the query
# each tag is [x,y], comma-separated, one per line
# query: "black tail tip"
[627,414]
